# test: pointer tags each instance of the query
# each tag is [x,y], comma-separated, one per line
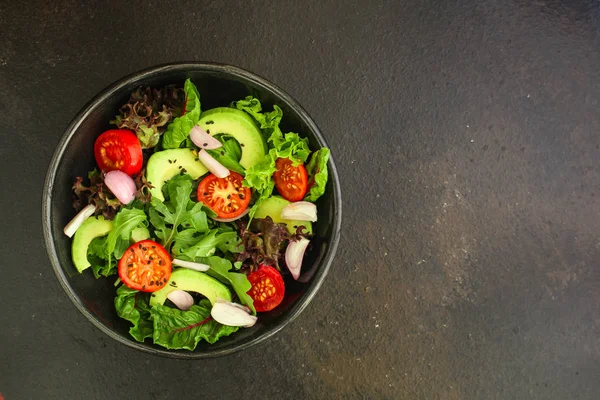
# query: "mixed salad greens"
[203,214]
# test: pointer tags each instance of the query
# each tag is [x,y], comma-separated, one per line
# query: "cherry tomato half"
[225,196]
[145,266]
[119,149]
[291,181]
[267,289]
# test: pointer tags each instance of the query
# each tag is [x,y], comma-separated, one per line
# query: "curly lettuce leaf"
[220,269]
[263,243]
[148,111]
[176,329]
[134,307]
[260,176]
[317,174]
[178,131]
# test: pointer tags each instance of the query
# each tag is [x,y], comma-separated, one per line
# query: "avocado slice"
[240,126]
[272,207]
[140,233]
[163,165]
[192,281]
[91,228]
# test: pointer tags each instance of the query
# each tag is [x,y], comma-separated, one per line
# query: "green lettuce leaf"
[229,155]
[178,131]
[134,307]
[176,329]
[98,258]
[317,174]
[268,121]
[220,269]
[117,240]
[260,176]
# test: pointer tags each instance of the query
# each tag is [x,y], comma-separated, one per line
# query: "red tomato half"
[145,266]
[291,181]
[267,289]
[225,196]
[119,149]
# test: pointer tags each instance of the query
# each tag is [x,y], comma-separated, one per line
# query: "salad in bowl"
[200,218]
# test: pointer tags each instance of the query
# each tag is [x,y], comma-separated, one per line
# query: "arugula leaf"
[134,307]
[178,131]
[176,329]
[219,269]
[206,245]
[125,221]
[317,174]
[178,211]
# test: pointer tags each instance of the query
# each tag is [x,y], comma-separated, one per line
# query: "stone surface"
[467,139]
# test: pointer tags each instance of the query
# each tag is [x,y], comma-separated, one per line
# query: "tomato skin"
[119,149]
[145,266]
[225,196]
[291,181]
[267,289]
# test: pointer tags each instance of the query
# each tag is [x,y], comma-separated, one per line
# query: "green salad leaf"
[117,241]
[260,176]
[229,155]
[134,307]
[220,269]
[176,329]
[317,174]
[268,121]
[178,211]
[148,112]
[178,131]
[206,245]
[98,258]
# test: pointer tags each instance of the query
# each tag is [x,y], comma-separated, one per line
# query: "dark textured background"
[467,138]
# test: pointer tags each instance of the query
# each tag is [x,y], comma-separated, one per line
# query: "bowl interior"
[218,86]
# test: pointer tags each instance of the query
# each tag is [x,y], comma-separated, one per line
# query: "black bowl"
[218,85]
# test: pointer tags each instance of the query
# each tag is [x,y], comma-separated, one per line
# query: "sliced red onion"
[76,222]
[121,185]
[227,313]
[203,139]
[300,211]
[213,165]
[182,299]
[191,265]
[294,254]
[246,211]
[240,306]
